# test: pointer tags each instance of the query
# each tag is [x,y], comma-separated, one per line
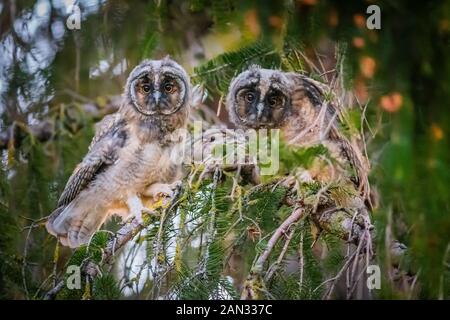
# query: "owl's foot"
[162,191]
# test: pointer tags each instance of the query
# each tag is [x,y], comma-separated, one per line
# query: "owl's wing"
[315,89]
[104,126]
[109,138]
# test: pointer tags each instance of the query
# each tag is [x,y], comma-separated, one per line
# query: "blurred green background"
[55,83]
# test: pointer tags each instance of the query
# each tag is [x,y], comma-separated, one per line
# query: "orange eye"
[169,88]
[250,96]
[146,88]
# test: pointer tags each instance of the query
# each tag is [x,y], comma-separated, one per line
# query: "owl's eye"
[273,101]
[169,88]
[146,88]
[250,96]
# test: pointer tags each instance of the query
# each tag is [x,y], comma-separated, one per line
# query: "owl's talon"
[161,195]
[162,191]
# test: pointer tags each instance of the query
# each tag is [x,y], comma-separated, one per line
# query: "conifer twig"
[122,237]
[294,217]
[125,234]
[254,282]
[273,268]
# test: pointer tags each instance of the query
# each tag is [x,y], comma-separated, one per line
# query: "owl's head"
[158,89]
[259,98]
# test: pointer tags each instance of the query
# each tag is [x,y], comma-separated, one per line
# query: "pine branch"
[120,239]
[217,73]
[14,134]
[125,234]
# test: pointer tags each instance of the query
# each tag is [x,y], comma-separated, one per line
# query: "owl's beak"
[156,96]
[259,110]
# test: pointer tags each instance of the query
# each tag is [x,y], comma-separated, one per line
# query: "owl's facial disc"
[158,87]
[160,94]
[259,98]
[258,108]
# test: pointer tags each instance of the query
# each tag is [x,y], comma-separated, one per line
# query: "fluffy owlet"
[264,98]
[130,154]
[299,106]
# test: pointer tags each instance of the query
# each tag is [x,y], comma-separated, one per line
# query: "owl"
[130,155]
[305,112]
[297,105]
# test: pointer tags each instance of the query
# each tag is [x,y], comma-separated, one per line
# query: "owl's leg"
[119,209]
[136,207]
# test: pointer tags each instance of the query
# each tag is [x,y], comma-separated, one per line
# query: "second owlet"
[129,156]
[263,98]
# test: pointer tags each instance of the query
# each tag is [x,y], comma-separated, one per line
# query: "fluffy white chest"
[137,166]
[144,164]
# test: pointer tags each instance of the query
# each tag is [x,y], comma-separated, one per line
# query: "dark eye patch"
[249,97]
[144,79]
[144,84]
[248,94]
[169,84]
[275,98]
